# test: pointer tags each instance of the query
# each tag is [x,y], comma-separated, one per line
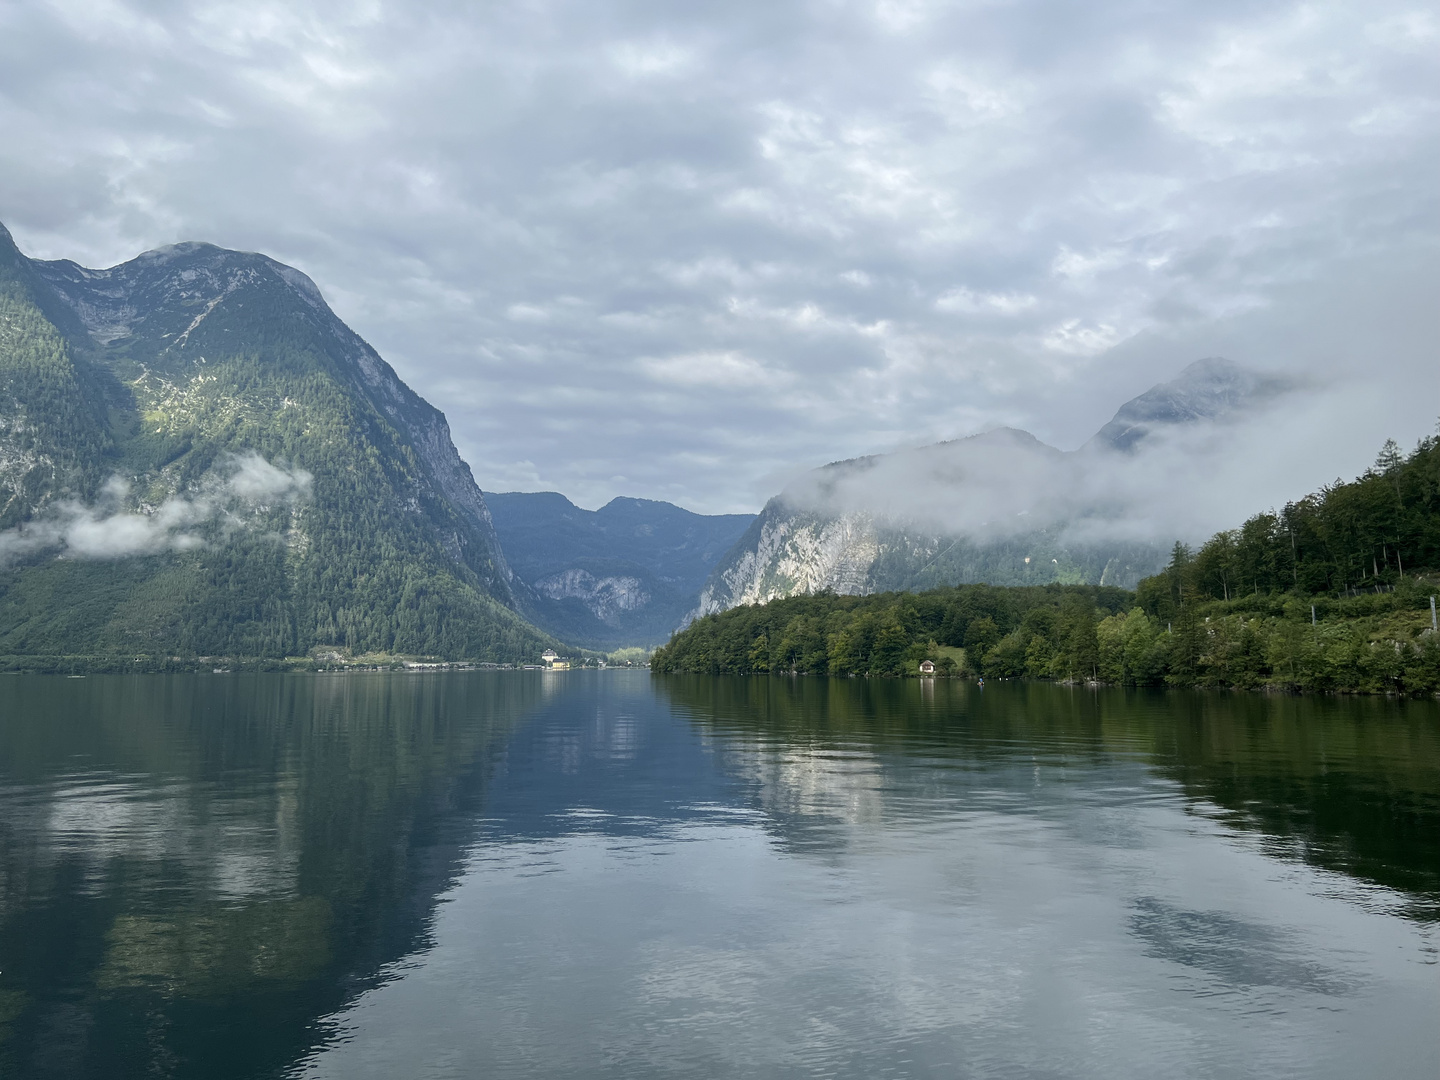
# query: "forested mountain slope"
[625,574]
[198,458]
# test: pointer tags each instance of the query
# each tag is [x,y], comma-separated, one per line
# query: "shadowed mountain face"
[625,574]
[1001,508]
[202,459]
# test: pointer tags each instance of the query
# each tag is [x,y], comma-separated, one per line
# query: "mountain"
[625,574]
[1001,508]
[1209,389]
[198,458]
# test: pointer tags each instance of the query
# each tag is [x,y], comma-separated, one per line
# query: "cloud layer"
[681,252]
[106,530]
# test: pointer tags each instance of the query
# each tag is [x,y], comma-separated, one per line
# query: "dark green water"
[609,875]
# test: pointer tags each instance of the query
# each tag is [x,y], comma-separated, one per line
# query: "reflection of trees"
[193,870]
[1350,784]
[815,750]
[215,950]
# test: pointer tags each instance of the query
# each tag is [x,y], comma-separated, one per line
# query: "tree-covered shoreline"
[1332,593]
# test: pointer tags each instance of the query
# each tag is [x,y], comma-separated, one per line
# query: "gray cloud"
[107,530]
[681,252]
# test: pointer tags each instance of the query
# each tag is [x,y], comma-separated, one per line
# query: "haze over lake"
[596,874]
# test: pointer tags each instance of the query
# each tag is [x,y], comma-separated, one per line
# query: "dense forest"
[1373,532]
[891,633]
[1330,593]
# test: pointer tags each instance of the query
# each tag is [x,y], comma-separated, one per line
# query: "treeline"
[1281,602]
[1365,644]
[892,633]
[1370,533]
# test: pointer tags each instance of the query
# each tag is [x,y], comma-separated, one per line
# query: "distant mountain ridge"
[201,458]
[625,574]
[1001,507]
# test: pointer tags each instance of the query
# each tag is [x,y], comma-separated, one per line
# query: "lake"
[609,874]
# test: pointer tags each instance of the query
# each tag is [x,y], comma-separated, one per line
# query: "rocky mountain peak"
[162,296]
[1210,389]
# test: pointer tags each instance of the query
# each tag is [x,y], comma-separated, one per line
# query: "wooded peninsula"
[1331,593]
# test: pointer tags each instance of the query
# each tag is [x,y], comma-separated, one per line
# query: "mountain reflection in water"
[193,869]
[609,874]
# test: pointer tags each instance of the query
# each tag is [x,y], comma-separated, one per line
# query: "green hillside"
[198,459]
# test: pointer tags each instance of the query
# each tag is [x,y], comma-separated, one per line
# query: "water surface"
[607,874]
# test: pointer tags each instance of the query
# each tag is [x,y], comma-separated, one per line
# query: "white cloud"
[106,530]
[1077,339]
[726,371]
[527,313]
[642,60]
[972,302]
[255,481]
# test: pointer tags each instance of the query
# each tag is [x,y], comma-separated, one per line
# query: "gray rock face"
[625,574]
[789,552]
[605,597]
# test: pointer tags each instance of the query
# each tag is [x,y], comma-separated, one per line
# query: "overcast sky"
[682,250]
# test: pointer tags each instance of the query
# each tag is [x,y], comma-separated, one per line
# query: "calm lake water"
[605,874]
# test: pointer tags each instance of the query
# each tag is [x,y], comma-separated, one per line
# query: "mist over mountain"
[197,457]
[625,574]
[1002,507]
